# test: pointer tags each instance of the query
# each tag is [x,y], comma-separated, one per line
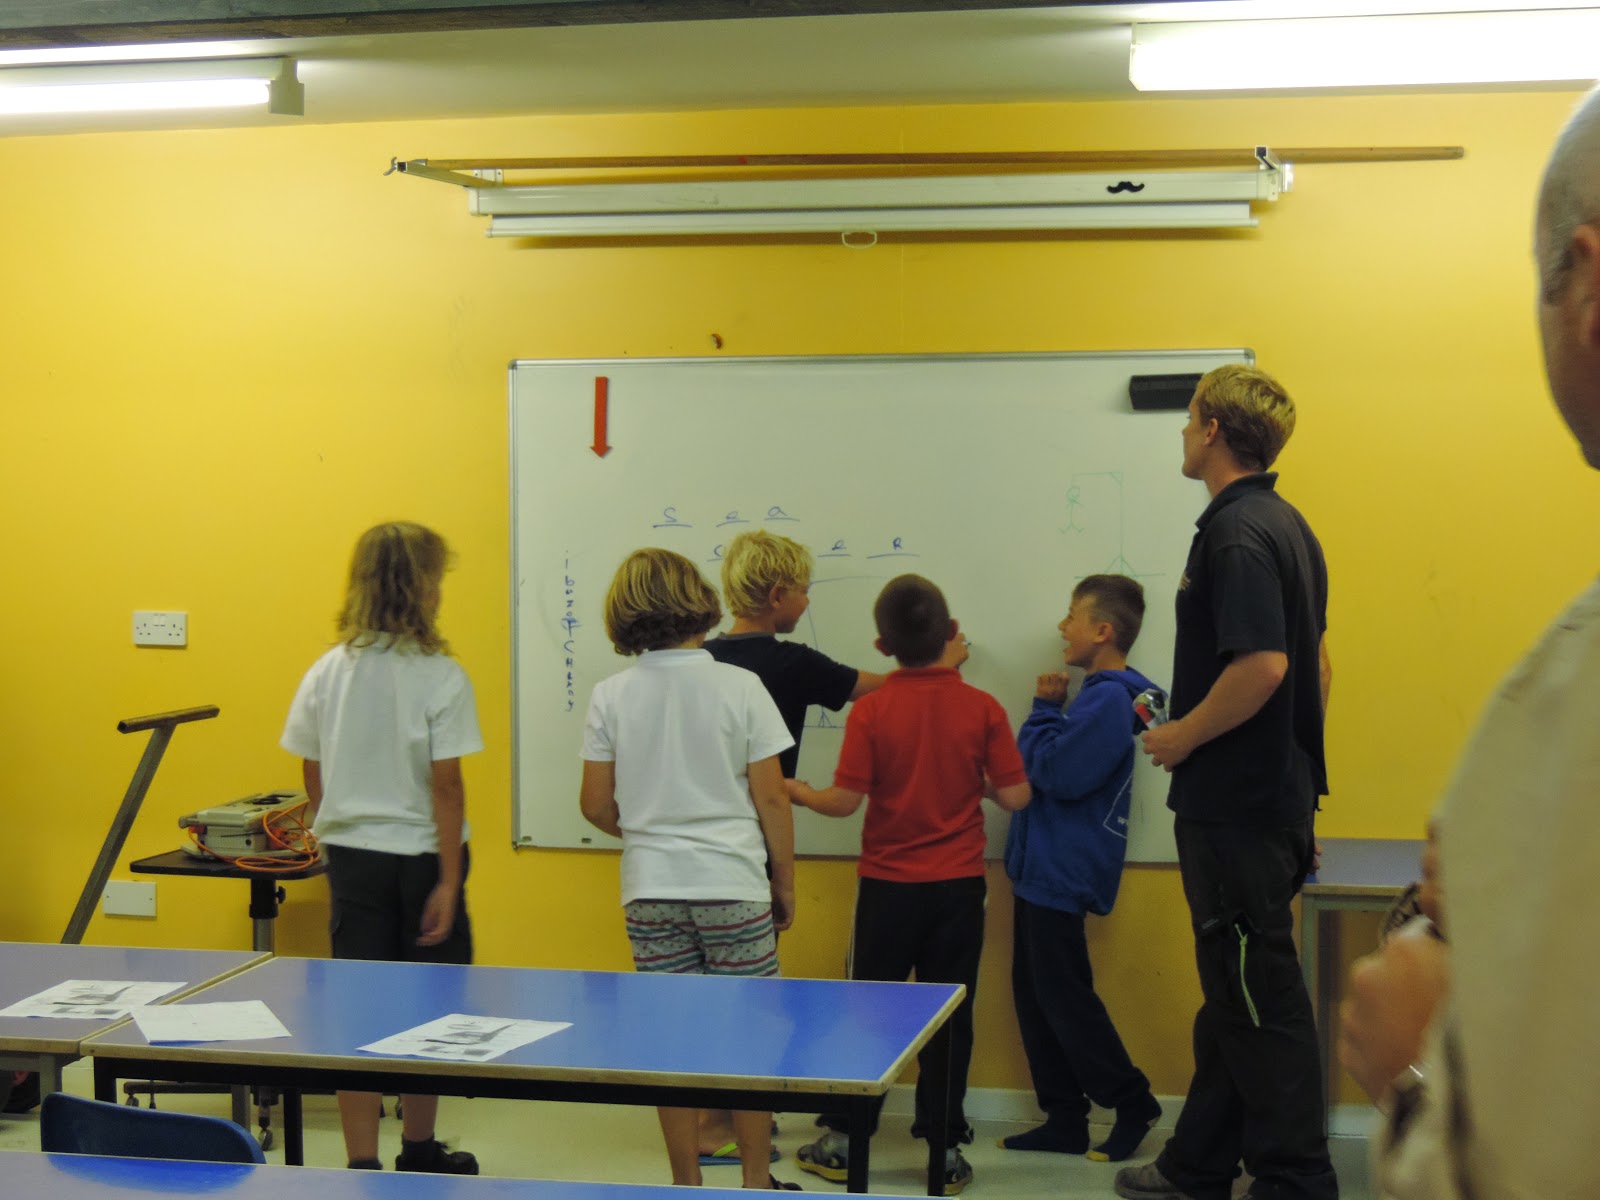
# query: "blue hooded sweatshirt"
[1065,850]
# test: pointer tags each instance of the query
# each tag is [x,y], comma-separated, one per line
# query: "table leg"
[1327,964]
[105,1083]
[936,1062]
[265,895]
[240,1095]
[860,1111]
[49,1075]
[294,1144]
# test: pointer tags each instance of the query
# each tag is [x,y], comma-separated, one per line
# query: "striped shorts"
[702,937]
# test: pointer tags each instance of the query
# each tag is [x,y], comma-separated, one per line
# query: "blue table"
[1357,874]
[46,1044]
[790,1045]
[81,1177]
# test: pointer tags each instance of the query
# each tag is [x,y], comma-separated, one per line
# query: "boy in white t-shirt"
[382,721]
[681,762]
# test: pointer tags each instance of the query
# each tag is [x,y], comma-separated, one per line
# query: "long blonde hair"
[393,592]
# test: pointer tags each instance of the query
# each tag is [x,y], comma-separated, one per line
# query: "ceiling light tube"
[1442,48]
[152,86]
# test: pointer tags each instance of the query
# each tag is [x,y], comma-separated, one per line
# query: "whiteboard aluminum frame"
[521,839]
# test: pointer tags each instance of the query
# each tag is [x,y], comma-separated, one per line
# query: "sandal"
[828,1156]
[728,1156]
[779,1185]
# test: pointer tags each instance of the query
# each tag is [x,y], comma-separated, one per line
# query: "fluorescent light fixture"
[878,220]
[1442,48]
[1134,200]
[152,86]
[154,52]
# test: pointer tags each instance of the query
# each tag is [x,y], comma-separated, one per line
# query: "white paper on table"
[221,1021]
[90,999]
[463,1038]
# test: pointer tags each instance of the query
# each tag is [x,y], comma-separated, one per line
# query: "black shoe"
[432,1157]
[364,1164]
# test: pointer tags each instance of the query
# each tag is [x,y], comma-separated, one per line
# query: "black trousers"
[934,930]
[377,903]
[1074,1052]
[1257,1089]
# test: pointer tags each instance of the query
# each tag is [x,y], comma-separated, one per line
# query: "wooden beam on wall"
[43,24]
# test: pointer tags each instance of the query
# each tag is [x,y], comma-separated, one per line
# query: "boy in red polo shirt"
[927,748]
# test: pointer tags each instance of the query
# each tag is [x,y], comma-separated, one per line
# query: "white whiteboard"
[1002,478]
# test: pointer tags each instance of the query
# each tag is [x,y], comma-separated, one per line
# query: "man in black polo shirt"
[1249,689]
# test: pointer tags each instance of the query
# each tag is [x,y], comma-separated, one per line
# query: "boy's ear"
[877,644]
[1103,632]
[955,630]
[775,595]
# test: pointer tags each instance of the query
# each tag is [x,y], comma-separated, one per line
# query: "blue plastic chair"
[74,1125]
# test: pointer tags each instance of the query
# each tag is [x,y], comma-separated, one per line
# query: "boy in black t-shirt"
[765,578]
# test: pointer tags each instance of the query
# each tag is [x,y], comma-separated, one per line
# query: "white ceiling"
[893,58]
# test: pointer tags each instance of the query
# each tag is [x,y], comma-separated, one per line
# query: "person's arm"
[311,774]
[956,651]
[449,812]
[597,797]
[777,828]
[1013,798]
[1324,671]
[866,682]
[830,802]
[1239,693]
[1002,760]
[1071,755]
[1390,1002]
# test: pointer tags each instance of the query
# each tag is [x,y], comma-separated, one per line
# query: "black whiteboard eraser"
[1162,393]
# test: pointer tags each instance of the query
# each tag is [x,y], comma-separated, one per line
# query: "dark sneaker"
[828,1156]
[1146,1182]
[777,1185]
[432,1157]
[957,1173]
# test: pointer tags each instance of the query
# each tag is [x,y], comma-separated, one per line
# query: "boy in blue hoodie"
[1064,856]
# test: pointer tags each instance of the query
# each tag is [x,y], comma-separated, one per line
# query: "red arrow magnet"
[602,391]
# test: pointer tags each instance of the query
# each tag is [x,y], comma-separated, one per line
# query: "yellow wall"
[225,353]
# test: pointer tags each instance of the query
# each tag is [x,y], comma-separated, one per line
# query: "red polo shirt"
[919,747]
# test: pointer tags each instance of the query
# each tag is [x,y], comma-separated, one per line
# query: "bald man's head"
[1567,246]
[1570,194]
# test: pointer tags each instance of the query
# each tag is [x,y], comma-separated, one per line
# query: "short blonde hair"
[1252,411]
[755,562]
[658,599]
[393,590]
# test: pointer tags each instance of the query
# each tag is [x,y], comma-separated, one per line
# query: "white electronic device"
[239,827]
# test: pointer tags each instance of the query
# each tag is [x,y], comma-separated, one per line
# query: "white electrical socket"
[160,628]
[125,898]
